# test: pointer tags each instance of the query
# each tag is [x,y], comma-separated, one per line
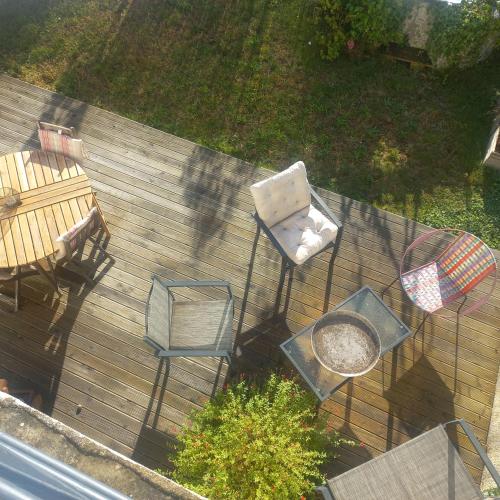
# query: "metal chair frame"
[287,263]
[161,351]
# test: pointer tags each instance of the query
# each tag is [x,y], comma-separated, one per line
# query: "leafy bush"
[463,33]
[362,24]
[255,441]
[492,492]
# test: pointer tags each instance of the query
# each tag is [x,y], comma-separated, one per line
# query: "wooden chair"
[16,274]
[60,140]
[11,276]
[74,239]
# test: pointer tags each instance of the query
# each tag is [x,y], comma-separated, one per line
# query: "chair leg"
[16,290]
[47,274]
[98,245]
[338,240]
[90,281]
[388,286]
[280,285]
[101,216]
[426,315]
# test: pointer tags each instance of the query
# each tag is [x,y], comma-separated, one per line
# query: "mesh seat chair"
[60,140]
[427,467]
[286,213]
[176,326]
[452,275]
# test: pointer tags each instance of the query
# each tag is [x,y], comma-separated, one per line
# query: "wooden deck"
[181,211]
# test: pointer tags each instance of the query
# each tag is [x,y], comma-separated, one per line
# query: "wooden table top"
[55,193]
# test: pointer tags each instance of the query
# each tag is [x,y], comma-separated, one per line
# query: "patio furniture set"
[48,211]
[47,208]
[345,342]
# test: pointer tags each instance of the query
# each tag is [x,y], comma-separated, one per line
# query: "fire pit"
[346,343]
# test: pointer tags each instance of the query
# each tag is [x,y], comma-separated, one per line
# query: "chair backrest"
[72,239]
[60,140]
[463,265]
[282,194]
[158,314]
[52,127]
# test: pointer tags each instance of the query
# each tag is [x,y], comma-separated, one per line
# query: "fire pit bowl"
[346,343]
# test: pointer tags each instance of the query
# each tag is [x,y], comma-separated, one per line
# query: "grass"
[245,78]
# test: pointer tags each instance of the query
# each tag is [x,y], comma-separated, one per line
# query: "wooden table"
[54,192]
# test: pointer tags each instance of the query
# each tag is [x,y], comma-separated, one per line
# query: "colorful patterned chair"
[60,140]
[464,263]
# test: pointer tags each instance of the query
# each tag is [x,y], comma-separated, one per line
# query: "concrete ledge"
[84,454]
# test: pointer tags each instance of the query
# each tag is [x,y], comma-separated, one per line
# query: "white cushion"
[282,194]
[304,233]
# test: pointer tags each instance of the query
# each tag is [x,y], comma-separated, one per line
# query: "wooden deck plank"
[364,236]
[182,211]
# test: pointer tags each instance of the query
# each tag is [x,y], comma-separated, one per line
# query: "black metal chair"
[296,220]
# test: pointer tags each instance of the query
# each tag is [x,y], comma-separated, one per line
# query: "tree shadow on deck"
[153,443]
[79,283]
[418,400]
[213,194]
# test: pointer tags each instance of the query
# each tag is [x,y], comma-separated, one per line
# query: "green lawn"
[244,77]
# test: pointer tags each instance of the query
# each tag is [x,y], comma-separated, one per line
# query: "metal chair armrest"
[192,283]
[325,491]
[270,235]
[325,208]
[152,343]
[477,445]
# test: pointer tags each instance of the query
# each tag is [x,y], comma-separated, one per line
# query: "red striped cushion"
[61,144]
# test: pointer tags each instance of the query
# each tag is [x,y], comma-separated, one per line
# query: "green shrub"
[255,441]
[492,492]
[461,33]
[361,24]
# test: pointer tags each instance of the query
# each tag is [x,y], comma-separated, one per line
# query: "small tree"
[465,33]
[255,441]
